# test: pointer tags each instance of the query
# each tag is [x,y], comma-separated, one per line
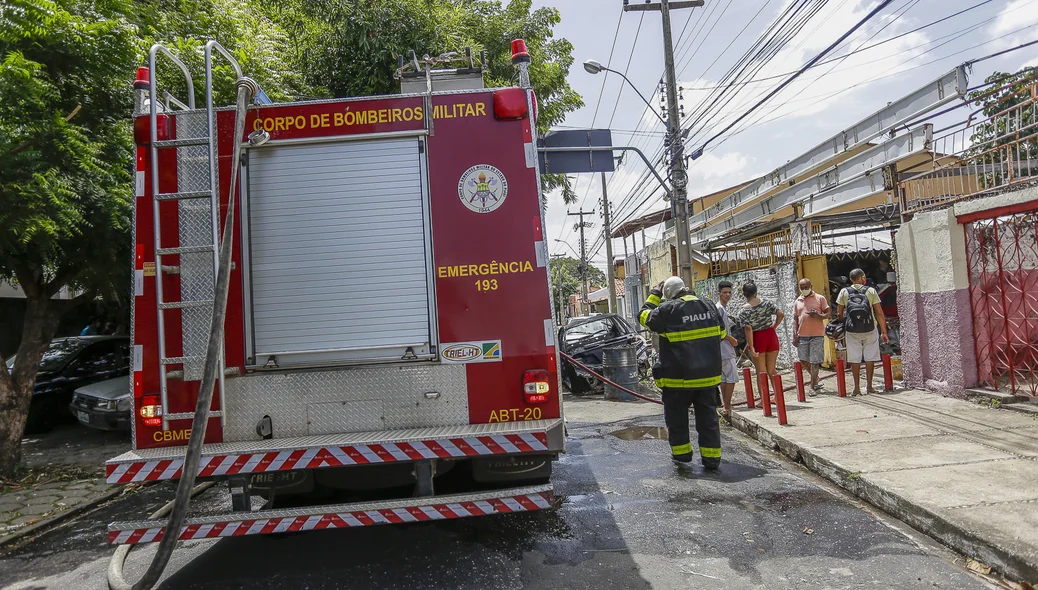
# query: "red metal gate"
[1002,254]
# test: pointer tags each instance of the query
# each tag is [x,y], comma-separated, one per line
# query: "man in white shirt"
[859,308]
[729,360]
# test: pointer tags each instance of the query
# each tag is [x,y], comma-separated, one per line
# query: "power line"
[632,213]
[856,51]
[883,4]
[598,103]
[874,79]
[609,62]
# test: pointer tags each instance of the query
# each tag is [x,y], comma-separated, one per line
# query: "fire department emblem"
[483,188]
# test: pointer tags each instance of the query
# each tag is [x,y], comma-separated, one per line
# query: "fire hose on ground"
[177,509]
[635,394]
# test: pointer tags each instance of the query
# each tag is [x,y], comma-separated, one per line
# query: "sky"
[812,109]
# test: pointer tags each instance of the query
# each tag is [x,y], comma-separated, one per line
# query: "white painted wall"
[931,254]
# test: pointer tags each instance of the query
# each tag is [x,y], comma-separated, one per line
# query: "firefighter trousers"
[675,413]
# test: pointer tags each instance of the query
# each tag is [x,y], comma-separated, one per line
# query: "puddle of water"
[641,433]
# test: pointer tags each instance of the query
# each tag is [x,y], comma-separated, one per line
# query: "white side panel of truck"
[338,252]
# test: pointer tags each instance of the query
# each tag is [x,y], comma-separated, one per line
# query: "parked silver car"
[104,405]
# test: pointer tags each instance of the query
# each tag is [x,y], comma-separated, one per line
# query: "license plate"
[83,417]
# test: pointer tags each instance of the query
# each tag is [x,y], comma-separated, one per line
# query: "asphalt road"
[630,520]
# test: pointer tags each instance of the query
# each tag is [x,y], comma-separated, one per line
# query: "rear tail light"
[536,387]
[510,103]
[151,411]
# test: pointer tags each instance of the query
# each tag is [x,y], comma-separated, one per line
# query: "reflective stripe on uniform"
[653,299]
[685,449]
[692,334]
[689,298]
[644,317]
[689,383]
[709,453]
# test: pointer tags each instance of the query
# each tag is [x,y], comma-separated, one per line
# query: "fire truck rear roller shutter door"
[338,250]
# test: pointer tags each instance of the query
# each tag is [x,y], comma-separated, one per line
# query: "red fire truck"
[389,349]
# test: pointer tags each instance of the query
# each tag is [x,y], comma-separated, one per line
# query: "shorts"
[863,347]
[765,341]
[812,349]
[730,370]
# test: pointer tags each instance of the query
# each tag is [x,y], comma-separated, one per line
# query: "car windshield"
[584,330]
[60,352]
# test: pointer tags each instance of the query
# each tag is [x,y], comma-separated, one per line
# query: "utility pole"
[610,271]
[558,281]
[678,177]
[583,258]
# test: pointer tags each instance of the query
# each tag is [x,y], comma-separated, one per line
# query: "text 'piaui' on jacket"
[690,340]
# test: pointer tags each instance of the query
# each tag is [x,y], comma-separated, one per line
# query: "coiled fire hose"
[247,89]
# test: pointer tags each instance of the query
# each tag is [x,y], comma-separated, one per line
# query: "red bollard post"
[841,379]
[747,380]
[798,372]
[780,399]
[888,374]
[765,397]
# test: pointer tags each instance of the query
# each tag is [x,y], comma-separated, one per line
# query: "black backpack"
[857,313]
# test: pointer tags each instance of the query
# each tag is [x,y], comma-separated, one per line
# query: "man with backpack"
[858,307]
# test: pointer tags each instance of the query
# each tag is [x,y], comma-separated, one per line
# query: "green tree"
[262,48]
[1006,137]
[351,48]
[65,181]
[565,272]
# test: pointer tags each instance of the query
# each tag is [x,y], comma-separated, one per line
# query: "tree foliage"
[565,272]
[997,100]
[65,172]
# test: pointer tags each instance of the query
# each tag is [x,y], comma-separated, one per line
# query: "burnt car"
[586,338]
[104,405]
[68,364]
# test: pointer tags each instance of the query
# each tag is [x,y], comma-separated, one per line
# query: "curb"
[948,533]
[56,518]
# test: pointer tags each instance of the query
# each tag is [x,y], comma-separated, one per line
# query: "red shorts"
[765,341]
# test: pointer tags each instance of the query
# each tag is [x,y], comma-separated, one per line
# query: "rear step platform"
[338,450]
[339,516]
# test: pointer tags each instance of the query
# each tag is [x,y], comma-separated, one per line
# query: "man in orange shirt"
[809,314]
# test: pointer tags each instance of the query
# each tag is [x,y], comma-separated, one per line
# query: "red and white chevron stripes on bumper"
[330,456]
[344,516]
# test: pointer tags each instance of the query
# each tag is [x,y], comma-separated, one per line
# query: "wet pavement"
[629,519]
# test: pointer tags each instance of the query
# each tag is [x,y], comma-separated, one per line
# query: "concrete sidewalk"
[963,473]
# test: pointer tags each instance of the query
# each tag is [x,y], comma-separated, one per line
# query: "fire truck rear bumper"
[340,450]
[339,516]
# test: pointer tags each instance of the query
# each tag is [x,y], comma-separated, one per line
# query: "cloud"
[731,166]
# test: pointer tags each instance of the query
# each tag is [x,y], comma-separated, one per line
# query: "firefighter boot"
[705,403]
[675,413]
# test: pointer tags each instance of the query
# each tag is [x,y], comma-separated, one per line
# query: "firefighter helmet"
[673,287]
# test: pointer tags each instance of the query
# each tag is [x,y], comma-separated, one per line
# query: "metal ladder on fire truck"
[197,202]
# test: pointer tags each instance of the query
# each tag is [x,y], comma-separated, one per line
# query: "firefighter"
[689,367]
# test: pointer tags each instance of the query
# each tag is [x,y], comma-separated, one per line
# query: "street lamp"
[593,67]
[568,245]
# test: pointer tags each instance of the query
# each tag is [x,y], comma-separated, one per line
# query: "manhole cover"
[641,433]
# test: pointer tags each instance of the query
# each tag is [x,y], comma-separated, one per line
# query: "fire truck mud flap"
[340,516]
[358,448]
